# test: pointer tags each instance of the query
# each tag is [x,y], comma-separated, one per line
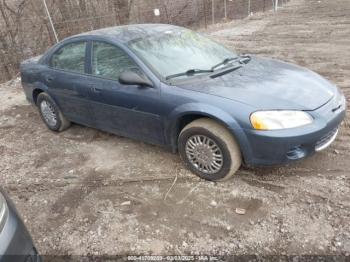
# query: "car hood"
[268,84]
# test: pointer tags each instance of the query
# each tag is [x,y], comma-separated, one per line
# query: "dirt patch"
[88,192]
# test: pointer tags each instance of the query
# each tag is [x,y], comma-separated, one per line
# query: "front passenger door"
[127,110]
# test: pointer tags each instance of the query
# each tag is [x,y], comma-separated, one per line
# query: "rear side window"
[109,61]
[70,57]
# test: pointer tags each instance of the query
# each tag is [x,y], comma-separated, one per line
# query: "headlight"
[273,120]
[3,211]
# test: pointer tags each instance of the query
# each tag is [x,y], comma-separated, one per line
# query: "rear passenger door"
[67,81]
[127,110]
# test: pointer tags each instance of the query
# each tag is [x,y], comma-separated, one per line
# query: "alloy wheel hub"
[204,154]
[48,113]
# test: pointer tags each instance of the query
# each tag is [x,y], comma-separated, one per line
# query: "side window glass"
[109,61]
[70,57]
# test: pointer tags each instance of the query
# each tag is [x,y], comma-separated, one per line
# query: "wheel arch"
[185,116]
[36,93]
[38,87]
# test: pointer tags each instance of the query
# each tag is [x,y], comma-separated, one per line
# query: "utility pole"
[213,11]
[225,7]
[249,7]
[205,13]
[50,20]
[276,5]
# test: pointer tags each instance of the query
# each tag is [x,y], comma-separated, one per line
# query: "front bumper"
[15,241]
[277,147]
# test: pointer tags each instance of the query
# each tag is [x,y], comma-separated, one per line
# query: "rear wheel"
[209,150]
[51,114]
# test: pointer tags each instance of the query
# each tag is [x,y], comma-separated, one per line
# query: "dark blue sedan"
[170,86]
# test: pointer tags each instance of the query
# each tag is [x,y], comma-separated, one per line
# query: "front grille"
[326,140]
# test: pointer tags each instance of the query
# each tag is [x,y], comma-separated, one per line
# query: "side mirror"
[130,77]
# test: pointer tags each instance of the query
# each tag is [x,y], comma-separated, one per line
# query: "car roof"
[126,33]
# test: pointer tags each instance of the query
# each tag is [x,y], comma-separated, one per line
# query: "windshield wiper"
[224,62]
[189,72]
[243,59]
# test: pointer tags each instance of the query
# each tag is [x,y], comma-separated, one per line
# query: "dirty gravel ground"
[73,188]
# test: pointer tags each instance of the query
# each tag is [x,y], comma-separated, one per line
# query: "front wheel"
[209,150]
[51,114]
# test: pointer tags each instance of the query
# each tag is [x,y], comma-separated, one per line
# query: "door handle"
[96,89]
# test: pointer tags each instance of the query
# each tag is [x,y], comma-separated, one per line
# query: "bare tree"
[25,30]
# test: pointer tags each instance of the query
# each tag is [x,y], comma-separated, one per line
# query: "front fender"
[200,109]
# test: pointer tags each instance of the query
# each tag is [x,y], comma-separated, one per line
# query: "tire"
[213,136]
[46,103]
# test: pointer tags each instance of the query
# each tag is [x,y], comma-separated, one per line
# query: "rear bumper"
[278,147]
[15,241]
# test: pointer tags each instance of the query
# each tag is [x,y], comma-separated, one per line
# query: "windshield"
[177,51]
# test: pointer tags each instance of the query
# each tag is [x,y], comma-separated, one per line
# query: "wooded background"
[25,29]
